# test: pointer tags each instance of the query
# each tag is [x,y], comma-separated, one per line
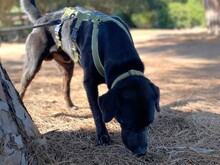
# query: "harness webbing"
[95,53]
[67,14]
[131,72]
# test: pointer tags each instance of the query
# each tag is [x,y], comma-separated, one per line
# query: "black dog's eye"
[129,95]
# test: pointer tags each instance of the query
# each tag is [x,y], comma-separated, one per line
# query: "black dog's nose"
[140,152]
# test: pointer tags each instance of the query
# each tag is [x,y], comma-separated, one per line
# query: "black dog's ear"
[157,105]
[108,104]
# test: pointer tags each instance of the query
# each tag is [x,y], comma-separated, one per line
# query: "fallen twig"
[198,150]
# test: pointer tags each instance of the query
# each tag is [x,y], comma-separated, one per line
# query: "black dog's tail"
[31,10]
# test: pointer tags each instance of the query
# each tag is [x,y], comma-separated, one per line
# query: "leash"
[22,27]
[52,23]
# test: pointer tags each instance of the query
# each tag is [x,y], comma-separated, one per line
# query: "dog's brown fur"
[41,46]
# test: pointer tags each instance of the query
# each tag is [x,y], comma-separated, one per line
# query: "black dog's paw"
[104,139]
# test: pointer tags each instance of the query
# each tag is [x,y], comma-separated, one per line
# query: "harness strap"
[131,72]
[95,52]
[57,34]
[67,14]
[80,18]
[96,19]
[95,49]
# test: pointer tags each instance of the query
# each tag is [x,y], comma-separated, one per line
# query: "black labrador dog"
[131,98]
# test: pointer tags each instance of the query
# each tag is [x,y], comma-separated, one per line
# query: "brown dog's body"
[65,64]
[41,46]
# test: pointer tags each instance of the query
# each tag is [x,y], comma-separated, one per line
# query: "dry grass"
[184,64]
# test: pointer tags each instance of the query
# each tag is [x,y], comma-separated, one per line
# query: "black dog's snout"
[135,141]
[141,151]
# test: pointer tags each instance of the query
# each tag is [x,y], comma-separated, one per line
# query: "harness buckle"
[74,34]
[58,34]
[57,29]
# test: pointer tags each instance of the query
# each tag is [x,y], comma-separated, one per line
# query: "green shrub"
[180,14]
[126,17]
[143,20]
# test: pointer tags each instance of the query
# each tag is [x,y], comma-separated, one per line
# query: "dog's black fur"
[131,101]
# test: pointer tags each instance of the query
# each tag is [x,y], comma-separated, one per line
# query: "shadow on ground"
[187,45]
[176,137]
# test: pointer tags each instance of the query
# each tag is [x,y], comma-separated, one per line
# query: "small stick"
[198,150]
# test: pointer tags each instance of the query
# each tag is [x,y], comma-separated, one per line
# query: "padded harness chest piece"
[68,13]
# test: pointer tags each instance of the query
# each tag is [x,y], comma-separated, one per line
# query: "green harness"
[87,15]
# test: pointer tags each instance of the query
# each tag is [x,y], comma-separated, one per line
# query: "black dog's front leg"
[92,94]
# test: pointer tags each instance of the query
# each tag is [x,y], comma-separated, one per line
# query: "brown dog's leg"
[29,72]
[66,65]
[37,49]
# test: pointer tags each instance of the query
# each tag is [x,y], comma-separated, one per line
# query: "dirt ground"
[185,64]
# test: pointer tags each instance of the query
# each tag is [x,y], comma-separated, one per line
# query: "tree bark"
[18,133]
[212,15]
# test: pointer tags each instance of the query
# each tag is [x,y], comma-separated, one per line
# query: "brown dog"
[41,46]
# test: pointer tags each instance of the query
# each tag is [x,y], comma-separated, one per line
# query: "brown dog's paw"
[72,108]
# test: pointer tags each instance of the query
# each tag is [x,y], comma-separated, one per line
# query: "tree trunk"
[19,135]
[212,15]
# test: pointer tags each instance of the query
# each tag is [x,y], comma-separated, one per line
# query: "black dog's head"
[132,102]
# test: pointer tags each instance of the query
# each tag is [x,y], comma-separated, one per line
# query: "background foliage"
[137,13]
[179,13]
